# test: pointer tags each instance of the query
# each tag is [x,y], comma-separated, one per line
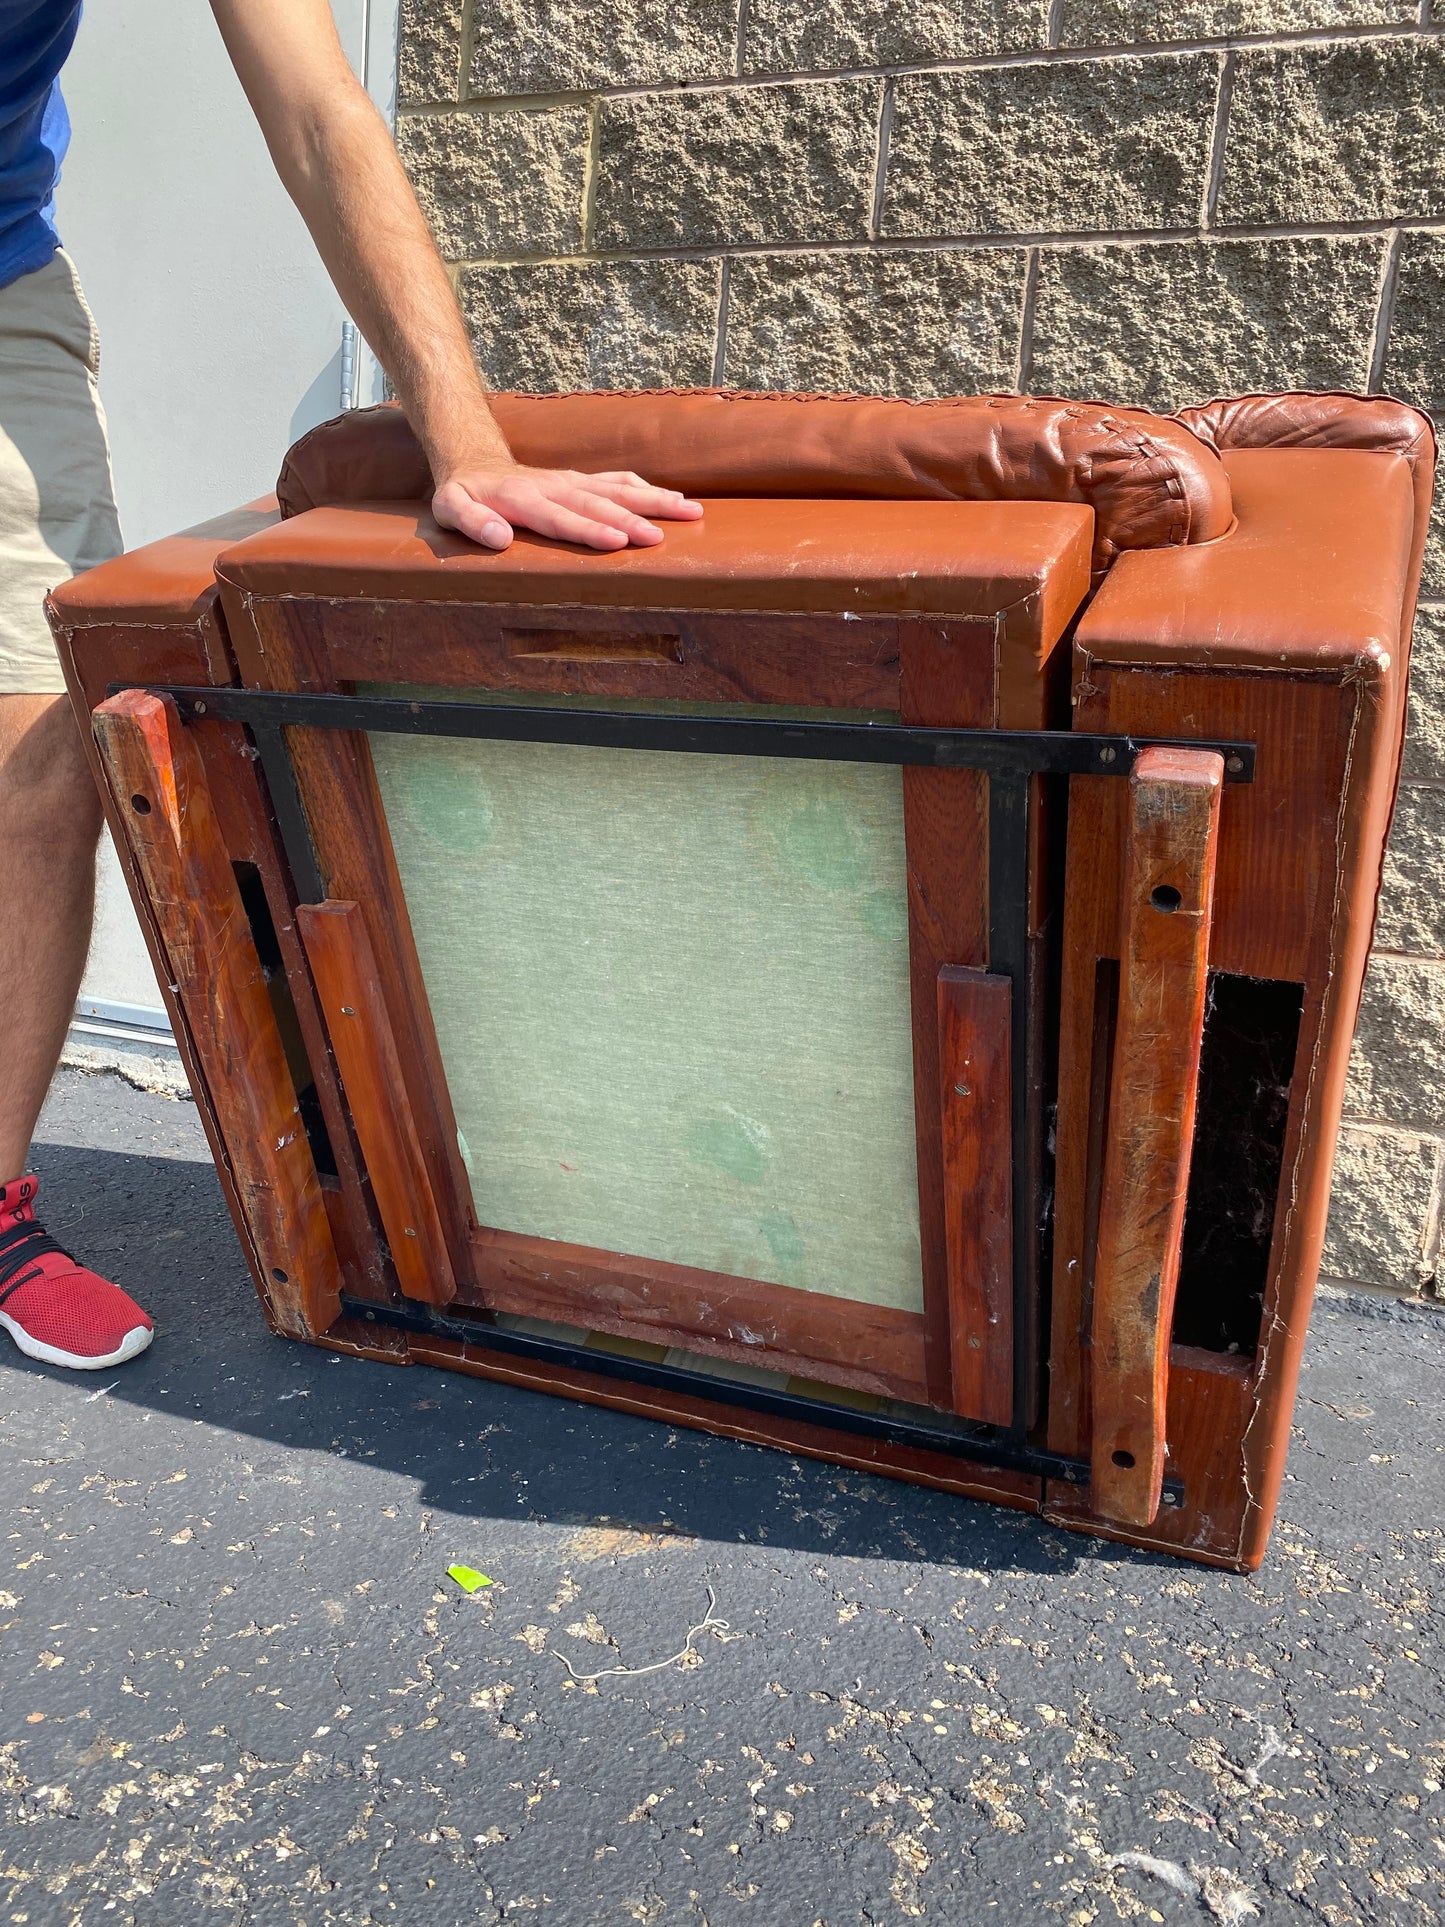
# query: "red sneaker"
[53,1307]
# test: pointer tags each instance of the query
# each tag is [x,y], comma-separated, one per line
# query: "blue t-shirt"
[35,37]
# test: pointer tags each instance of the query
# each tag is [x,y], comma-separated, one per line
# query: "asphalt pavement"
[237,1687]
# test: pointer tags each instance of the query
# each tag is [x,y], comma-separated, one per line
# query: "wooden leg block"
[976,1085]
[348,987]
[1170,848]
[160,792]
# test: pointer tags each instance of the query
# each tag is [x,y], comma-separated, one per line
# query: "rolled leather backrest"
[1150,482]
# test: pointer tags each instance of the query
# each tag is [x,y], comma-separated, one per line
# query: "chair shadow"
[159,1227]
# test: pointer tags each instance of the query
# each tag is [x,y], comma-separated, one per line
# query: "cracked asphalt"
[237,1687]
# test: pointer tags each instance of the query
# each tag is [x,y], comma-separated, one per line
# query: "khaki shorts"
[57,502]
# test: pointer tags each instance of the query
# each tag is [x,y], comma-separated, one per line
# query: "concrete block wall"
[1148,201]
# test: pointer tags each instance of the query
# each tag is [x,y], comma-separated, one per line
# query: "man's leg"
[57,516]
[50,1303]
[49,826]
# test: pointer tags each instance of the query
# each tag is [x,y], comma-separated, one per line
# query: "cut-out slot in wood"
[976,1087]
[572,645]
[1246,1082]
[283,1008]
[1170,847]
[348,988]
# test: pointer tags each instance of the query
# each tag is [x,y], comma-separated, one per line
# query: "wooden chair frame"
[962,1378]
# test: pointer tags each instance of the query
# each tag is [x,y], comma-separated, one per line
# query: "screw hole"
[141,805]
[279,1275]
[1125,1460]
[1166,898]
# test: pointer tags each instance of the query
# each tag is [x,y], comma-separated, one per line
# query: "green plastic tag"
[467,1579]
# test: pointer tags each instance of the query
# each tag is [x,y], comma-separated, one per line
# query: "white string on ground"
[1273,1748]
[709,1623]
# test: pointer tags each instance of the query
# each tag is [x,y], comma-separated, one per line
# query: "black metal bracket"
[1010,759]
[915,1427]
[996,752]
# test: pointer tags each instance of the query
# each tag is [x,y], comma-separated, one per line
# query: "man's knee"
[47,791]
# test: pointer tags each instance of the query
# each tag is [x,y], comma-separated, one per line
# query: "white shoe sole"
[130,1346]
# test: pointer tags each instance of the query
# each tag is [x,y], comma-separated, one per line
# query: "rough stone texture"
[798,35]
[631,324]
[1119,23]
[1412,900]
[1170,323]
[1415,359]
[505,183]
[1383,1226]
[429,55]
[1432,575]
[1397,1067]
[1425,738]
[1085,145]
[935,323]
[789,163]
[1341,131]
[550,46]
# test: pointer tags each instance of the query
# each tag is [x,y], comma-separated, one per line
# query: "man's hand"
[336,158]
[487,502]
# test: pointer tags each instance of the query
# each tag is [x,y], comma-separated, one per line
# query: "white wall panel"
[220,333]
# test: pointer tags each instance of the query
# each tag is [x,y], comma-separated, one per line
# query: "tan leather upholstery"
[1328,420]
[1313,576]
[876,558]
[1149,481]
[1023,566]
[164,581]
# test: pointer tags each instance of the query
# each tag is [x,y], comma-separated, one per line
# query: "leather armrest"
[1316,575]
[166,581]
[1332,420]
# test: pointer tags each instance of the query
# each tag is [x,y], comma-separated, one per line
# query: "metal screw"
[1108,755]
[962,1090]
[409,1232]
[347,1011]
[1234,765]
[200,709]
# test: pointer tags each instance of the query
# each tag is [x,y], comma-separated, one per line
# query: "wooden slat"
[1170,849]
[947,673]
[976,1087]
[141,651]
[280,647]
[162,800]
[875,1348]
[348,985]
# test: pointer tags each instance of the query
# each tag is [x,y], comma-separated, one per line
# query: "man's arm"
[336,159]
